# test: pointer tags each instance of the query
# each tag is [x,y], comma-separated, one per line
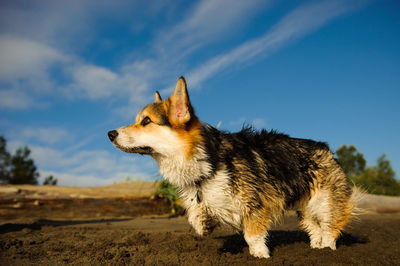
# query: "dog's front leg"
[201,221]
[255,233]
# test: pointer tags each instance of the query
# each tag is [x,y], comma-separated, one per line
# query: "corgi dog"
[246,179]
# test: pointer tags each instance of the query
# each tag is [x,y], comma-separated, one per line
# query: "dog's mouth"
[141,150]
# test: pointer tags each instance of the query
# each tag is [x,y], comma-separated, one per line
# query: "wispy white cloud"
[26,64]
[48,135]
[129,84]
[25,70]
[299,22]
[15,100]
[208,21]
[22,58]
[90,81]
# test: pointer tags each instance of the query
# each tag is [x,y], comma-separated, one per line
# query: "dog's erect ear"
[180,104]
[157,97]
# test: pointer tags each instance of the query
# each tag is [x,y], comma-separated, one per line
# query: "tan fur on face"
[163,129]
[156,134]
[191,136]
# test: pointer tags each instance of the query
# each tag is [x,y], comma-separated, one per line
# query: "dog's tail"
[356,200]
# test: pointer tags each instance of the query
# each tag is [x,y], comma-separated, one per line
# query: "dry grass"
[120,190]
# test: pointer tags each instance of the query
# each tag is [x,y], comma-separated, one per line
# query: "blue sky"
[72,70]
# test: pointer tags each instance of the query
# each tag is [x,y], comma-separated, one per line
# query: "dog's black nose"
[113,134]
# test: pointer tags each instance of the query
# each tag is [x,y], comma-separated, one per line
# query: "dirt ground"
[46,229]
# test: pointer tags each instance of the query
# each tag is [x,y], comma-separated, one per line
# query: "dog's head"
[166,127]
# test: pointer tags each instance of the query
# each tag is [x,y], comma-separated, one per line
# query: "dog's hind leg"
[255,233]
[340,213]
[315,219]
[325,215]
[312,226]
[329,207]
[340,205]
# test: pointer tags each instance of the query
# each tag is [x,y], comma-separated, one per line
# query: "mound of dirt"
[109,225]
[170,241]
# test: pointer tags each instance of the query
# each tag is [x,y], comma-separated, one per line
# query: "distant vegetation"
[19,168]
[377,179]
[169,193]
[50,180]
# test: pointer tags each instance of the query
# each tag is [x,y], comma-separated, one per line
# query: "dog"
[246,179]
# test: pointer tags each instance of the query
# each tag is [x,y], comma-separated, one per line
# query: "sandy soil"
[117,230]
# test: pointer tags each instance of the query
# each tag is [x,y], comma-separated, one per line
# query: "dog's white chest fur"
[217,200]
[181,172]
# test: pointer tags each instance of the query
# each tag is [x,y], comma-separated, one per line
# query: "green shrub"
[169,193]
[378,179]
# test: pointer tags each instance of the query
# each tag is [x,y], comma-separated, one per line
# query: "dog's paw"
[315,243]
[328,241]
[260,252]
[201,230]
[204,231]
[204,227]
[257,246]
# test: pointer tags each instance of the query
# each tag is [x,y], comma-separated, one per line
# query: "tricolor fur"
[245,179]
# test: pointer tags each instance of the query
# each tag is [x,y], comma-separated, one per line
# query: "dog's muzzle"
[112,135]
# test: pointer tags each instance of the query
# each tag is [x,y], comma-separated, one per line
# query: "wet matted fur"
[245,179]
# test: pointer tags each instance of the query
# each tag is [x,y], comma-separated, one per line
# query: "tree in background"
[4,161]
[352,162]
[22,168]
[17,168]
[379,179]
[50,180]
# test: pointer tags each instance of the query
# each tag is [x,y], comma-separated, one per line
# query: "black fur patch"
[284,163]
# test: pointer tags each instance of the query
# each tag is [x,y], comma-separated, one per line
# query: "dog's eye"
[146,121]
